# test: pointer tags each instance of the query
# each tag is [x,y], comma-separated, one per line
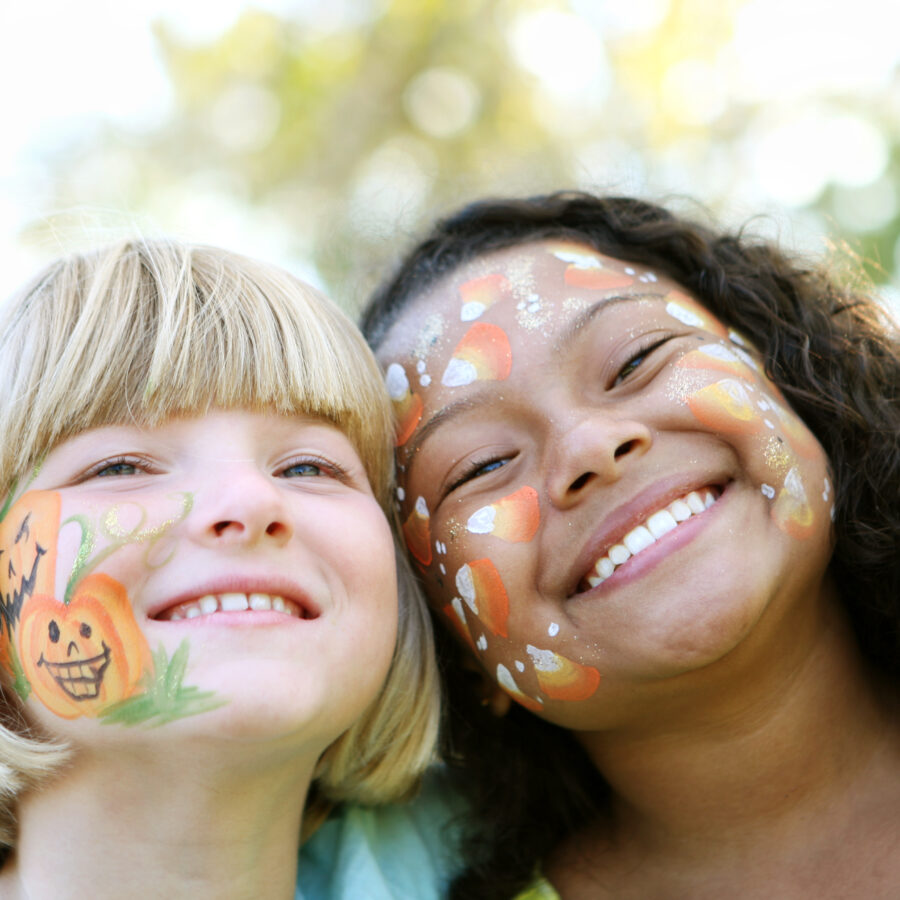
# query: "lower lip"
[238,619]
[637,566]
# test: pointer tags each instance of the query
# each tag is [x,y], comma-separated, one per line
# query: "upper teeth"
[648,532]
[233,602]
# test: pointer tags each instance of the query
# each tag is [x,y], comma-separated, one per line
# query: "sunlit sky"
[64,65]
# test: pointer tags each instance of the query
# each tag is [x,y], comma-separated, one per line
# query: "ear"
[484,687]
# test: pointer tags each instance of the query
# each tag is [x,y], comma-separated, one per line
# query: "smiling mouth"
[210,604]
[645,535]
[80,679]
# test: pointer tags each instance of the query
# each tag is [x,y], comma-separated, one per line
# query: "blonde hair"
[144,330]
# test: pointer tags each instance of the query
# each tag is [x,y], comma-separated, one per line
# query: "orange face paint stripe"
[514,518]
[481,587]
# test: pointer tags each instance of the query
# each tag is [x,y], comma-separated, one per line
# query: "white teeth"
[231,602]
[658,524]
[695,502]
[638,539]
[661,523]
[619,553]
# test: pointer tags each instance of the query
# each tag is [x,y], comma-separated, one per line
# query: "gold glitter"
[453,529]
[778,458]
[684,382]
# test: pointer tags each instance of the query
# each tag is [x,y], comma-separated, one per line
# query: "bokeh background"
[324,135]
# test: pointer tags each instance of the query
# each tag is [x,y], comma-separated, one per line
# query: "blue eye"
[117,469]
[302,470]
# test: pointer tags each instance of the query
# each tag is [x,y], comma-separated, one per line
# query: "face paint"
[83,655]
[628,421]
[480,294]
[561,678]
[482,355]
[417,533]
[514,518]
[407,405]
[481,587]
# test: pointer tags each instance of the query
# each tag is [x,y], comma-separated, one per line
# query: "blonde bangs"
[147,330]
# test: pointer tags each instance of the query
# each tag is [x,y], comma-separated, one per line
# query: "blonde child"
[200,636]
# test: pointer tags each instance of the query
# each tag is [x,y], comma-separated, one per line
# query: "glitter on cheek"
[684,382]
[778,458]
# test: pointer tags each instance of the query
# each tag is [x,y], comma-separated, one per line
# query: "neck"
[754,752]
[198,826]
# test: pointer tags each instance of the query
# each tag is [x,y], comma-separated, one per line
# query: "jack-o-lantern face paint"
[601,487]
[156,574]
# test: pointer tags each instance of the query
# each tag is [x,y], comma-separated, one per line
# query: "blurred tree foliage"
[347,126]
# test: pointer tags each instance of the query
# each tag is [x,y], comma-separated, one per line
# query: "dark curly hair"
[833,352]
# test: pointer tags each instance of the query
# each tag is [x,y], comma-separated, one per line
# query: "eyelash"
[473,470]
[326,468]
[143,465]
[634,362]
[137,462]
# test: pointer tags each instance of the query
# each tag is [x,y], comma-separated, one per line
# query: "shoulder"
[402,850]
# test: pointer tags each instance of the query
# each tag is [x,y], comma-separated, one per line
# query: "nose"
[240,507]
[593,450]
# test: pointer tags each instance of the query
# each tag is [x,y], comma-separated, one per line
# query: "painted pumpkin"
[28,535]
[83,656]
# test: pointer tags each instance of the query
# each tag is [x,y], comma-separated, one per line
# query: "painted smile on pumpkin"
[80,678]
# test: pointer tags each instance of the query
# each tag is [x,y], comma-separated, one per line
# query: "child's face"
[600,485]
[235,561]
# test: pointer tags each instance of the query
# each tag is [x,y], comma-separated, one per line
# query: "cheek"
[483,570]
[781,454]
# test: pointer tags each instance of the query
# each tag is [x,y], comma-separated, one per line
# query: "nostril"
[274,528]
[580,482]
[221,527]
[622,449]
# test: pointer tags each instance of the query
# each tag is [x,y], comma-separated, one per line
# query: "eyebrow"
[583,319]
[569,335]
[441,417]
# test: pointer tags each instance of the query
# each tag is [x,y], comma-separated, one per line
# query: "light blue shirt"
[405,851]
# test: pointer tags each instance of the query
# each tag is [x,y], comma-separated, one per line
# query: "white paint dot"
[425,380]
[481,643]
[520,666]
[553,630]
[768,490]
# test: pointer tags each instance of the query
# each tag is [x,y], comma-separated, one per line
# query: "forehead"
[536,289]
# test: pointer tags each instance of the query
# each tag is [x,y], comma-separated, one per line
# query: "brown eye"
[635,361]
[53,630]
[85,630]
